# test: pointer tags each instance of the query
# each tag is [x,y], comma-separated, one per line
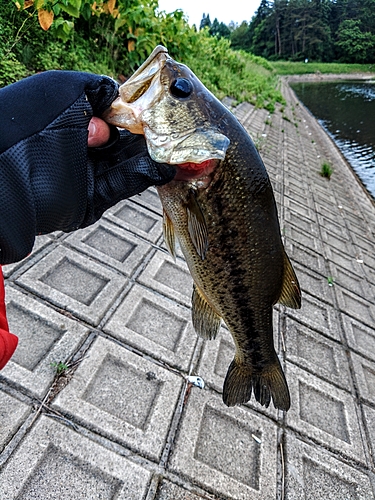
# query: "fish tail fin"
[238,384]
[268,383]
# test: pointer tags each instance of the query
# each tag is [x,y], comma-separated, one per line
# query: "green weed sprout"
[60,367]
[330,280]
[326,170]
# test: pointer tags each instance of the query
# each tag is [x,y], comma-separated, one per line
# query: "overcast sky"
[227,11]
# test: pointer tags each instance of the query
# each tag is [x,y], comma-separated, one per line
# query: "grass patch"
[326,170]
[301,68]
[236,74]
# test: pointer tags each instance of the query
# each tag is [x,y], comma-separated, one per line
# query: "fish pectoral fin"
[269,383]
[205,320]
[290,293]
[169,234]
[197,226]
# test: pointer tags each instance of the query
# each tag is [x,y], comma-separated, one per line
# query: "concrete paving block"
[123,396]
[306,257]
[324,413]
[303,198]
[363,242]
[355,224]
[303,209]
[318,316]
[302,223]
[290,172]
[360,338]
[355,306]
[170,491]
[53,461]
[365,377]
[314,284]
[155,325]
[216,358]
[327,206]
[323,197]
[294,184]
[12,415]
[369,272]
[150,200]
[73,282]
[40,243]
[317,354]
[368,260]
[112,245]
[352,263]
[314,474]
[346,279]
[139,220]
[45,337]
[229,451]
[335,228]
[168,277]
[302,237]
[244,111]
[340,243]
[369,416]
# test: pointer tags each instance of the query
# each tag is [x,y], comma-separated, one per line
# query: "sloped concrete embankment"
[121,421]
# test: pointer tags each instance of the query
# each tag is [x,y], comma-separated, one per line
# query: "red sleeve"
[8,341]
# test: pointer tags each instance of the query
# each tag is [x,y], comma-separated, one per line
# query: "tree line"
[319,30]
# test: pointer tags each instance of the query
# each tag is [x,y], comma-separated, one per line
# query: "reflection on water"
[346,110]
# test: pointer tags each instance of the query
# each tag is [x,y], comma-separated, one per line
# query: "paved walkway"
[123,423]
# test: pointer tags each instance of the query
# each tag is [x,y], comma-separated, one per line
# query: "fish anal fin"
[290,293]
[197,225]
[205,320]
[267,384]
[169,234]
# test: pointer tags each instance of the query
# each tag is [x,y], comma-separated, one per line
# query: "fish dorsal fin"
[205,320]
[291,293]
[197,225]
[169,234]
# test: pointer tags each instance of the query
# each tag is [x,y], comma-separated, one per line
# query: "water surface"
[346,110]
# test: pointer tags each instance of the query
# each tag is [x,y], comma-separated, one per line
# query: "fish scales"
[225,219]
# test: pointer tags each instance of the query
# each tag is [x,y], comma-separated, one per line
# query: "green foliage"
[319,30]
[205,22]
[220,30]
[301,68]
[241,37]
[11,70]
[326,170]
[234,73]
[355,45]
[114,38]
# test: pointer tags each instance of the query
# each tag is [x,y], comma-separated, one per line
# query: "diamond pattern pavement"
[110,308]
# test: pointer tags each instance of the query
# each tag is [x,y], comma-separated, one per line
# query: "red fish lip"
[190,171]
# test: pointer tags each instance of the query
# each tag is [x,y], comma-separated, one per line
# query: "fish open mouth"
[195,171]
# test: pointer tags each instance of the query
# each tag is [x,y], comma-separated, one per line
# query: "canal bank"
[345,109]
[124,422]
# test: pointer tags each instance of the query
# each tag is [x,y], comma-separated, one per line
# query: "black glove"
[49,179]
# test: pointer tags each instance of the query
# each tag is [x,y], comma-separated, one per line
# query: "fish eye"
[181,87]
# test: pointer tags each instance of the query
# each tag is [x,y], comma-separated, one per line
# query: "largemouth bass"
[222,209]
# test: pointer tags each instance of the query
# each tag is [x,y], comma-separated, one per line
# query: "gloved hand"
[49,179]
[8,341]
